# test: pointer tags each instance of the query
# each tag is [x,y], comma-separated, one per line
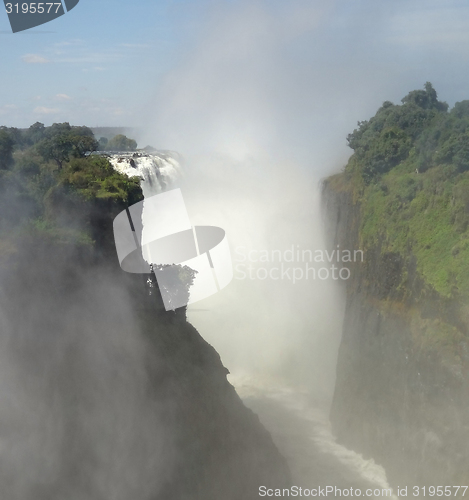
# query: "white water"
[158,171]
[300,428]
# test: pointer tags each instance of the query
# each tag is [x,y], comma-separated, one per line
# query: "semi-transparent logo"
[157,232]
[27,15]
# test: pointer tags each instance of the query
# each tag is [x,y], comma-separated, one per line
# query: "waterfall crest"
[158,171]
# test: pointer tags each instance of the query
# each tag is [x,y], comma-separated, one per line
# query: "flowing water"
[300,428]
[158,171]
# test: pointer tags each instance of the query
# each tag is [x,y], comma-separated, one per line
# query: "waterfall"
[158,171]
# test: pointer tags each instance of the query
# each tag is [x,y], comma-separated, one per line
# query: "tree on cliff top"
[426,99]
[410,171]
[396,131]
[121,143]
[63,142]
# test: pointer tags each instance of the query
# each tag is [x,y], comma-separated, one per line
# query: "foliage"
[102,143]
[35,133]
[69,200]
[419,214]
[6,150]
[410,170]
[414,130]
[62,142]
[95,178]
[121,143]
[426,99]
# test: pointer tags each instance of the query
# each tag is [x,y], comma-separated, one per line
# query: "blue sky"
[93,64]
[294,70]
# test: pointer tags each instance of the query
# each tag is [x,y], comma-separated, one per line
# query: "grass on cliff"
[410,173]
[422,214]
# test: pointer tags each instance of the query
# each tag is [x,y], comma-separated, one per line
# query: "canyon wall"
[104,393]
[402,390]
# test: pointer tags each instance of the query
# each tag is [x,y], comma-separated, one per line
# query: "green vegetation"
[95,178]
[52,188]
[66,142]
[102,143]
[410,172]
[121,143]
[59,143]
[6,150]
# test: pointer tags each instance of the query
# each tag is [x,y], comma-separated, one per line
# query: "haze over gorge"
[359,382]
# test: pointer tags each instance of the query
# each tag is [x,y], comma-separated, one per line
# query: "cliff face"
[402,390]
[107,395]
[104,393]
[224,451]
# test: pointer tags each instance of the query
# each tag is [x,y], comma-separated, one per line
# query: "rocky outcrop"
[402,390]
[225,451]
[107,395]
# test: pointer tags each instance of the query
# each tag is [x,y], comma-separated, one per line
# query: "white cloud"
[42,110]
[63,97]
[34,59]
[85,59]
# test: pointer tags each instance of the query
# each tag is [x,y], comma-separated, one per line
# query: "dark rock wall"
[402,390]
[225,451]
[106,395]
